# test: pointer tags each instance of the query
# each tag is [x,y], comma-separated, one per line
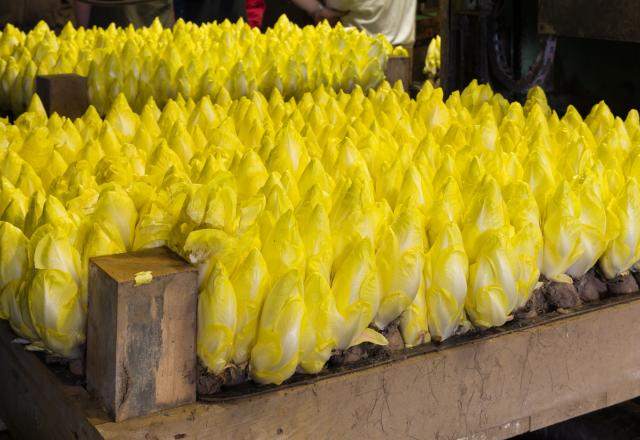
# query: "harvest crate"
[524,376]
[68,94]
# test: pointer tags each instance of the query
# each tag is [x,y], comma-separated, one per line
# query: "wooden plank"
[64,94]
[34,404]
[399,69]
[141,339]
[492,387]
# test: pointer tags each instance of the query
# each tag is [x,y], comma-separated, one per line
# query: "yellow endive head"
[56,311]
[521,205]
[413,321]
[539,175]
[448,207]
[624,249]
[486,212]
[537,97]
[321,325]
[217,320]
[14,255]
[314,221]
[446,273]
[52,248]
[284,250]
[251,283]
[493,290]
[357,291]
[276,353]
[527,246]
[116,207]
[562,234]
[596,232]
[600,120]
[399,262]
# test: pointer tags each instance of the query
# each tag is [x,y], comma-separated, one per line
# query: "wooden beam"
[141,338]
[399,68]
[34,404]
[524,377]
[496,387]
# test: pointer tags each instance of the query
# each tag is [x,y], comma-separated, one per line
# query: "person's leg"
[144,14]
[204,11]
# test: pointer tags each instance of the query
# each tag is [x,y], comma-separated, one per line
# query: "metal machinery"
[581,51]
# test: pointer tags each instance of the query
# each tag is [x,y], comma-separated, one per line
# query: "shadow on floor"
[620,422]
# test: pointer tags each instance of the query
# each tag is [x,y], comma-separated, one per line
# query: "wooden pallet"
[523,377]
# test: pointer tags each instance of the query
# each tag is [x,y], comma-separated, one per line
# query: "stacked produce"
[190,60]
[433,58]
[318,223]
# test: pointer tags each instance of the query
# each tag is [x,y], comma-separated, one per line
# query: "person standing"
[395,19]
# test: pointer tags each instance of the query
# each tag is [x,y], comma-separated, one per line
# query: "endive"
[624,249]
[493,290]
[356,288]
[322,323]
[14,256]
[56,311]
[217,320]
[399,262]
[250,282]
[446,273]
[276,353]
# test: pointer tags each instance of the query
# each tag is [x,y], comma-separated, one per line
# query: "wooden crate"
[399,68]
[522,377]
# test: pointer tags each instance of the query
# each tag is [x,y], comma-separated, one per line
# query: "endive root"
[622,285]
[561,295]
[590,287]
[362,353]
[394,336]
[209,384]
[636,275]
[536,306]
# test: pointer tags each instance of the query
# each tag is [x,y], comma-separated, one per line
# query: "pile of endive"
[316,223]
[190,60]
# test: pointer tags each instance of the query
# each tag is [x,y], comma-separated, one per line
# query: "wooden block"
[66,94]
[141,340]
[399,68]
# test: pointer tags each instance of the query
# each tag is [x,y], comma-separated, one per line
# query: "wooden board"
[399,69]
[141,339]
[64,94]
[493,386]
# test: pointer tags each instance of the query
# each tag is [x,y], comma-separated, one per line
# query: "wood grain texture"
[141,352]
[491,388]
[64,94]
[399,68]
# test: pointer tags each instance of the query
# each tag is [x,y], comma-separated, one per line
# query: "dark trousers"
[204,11]
[25,14]
[138,15]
